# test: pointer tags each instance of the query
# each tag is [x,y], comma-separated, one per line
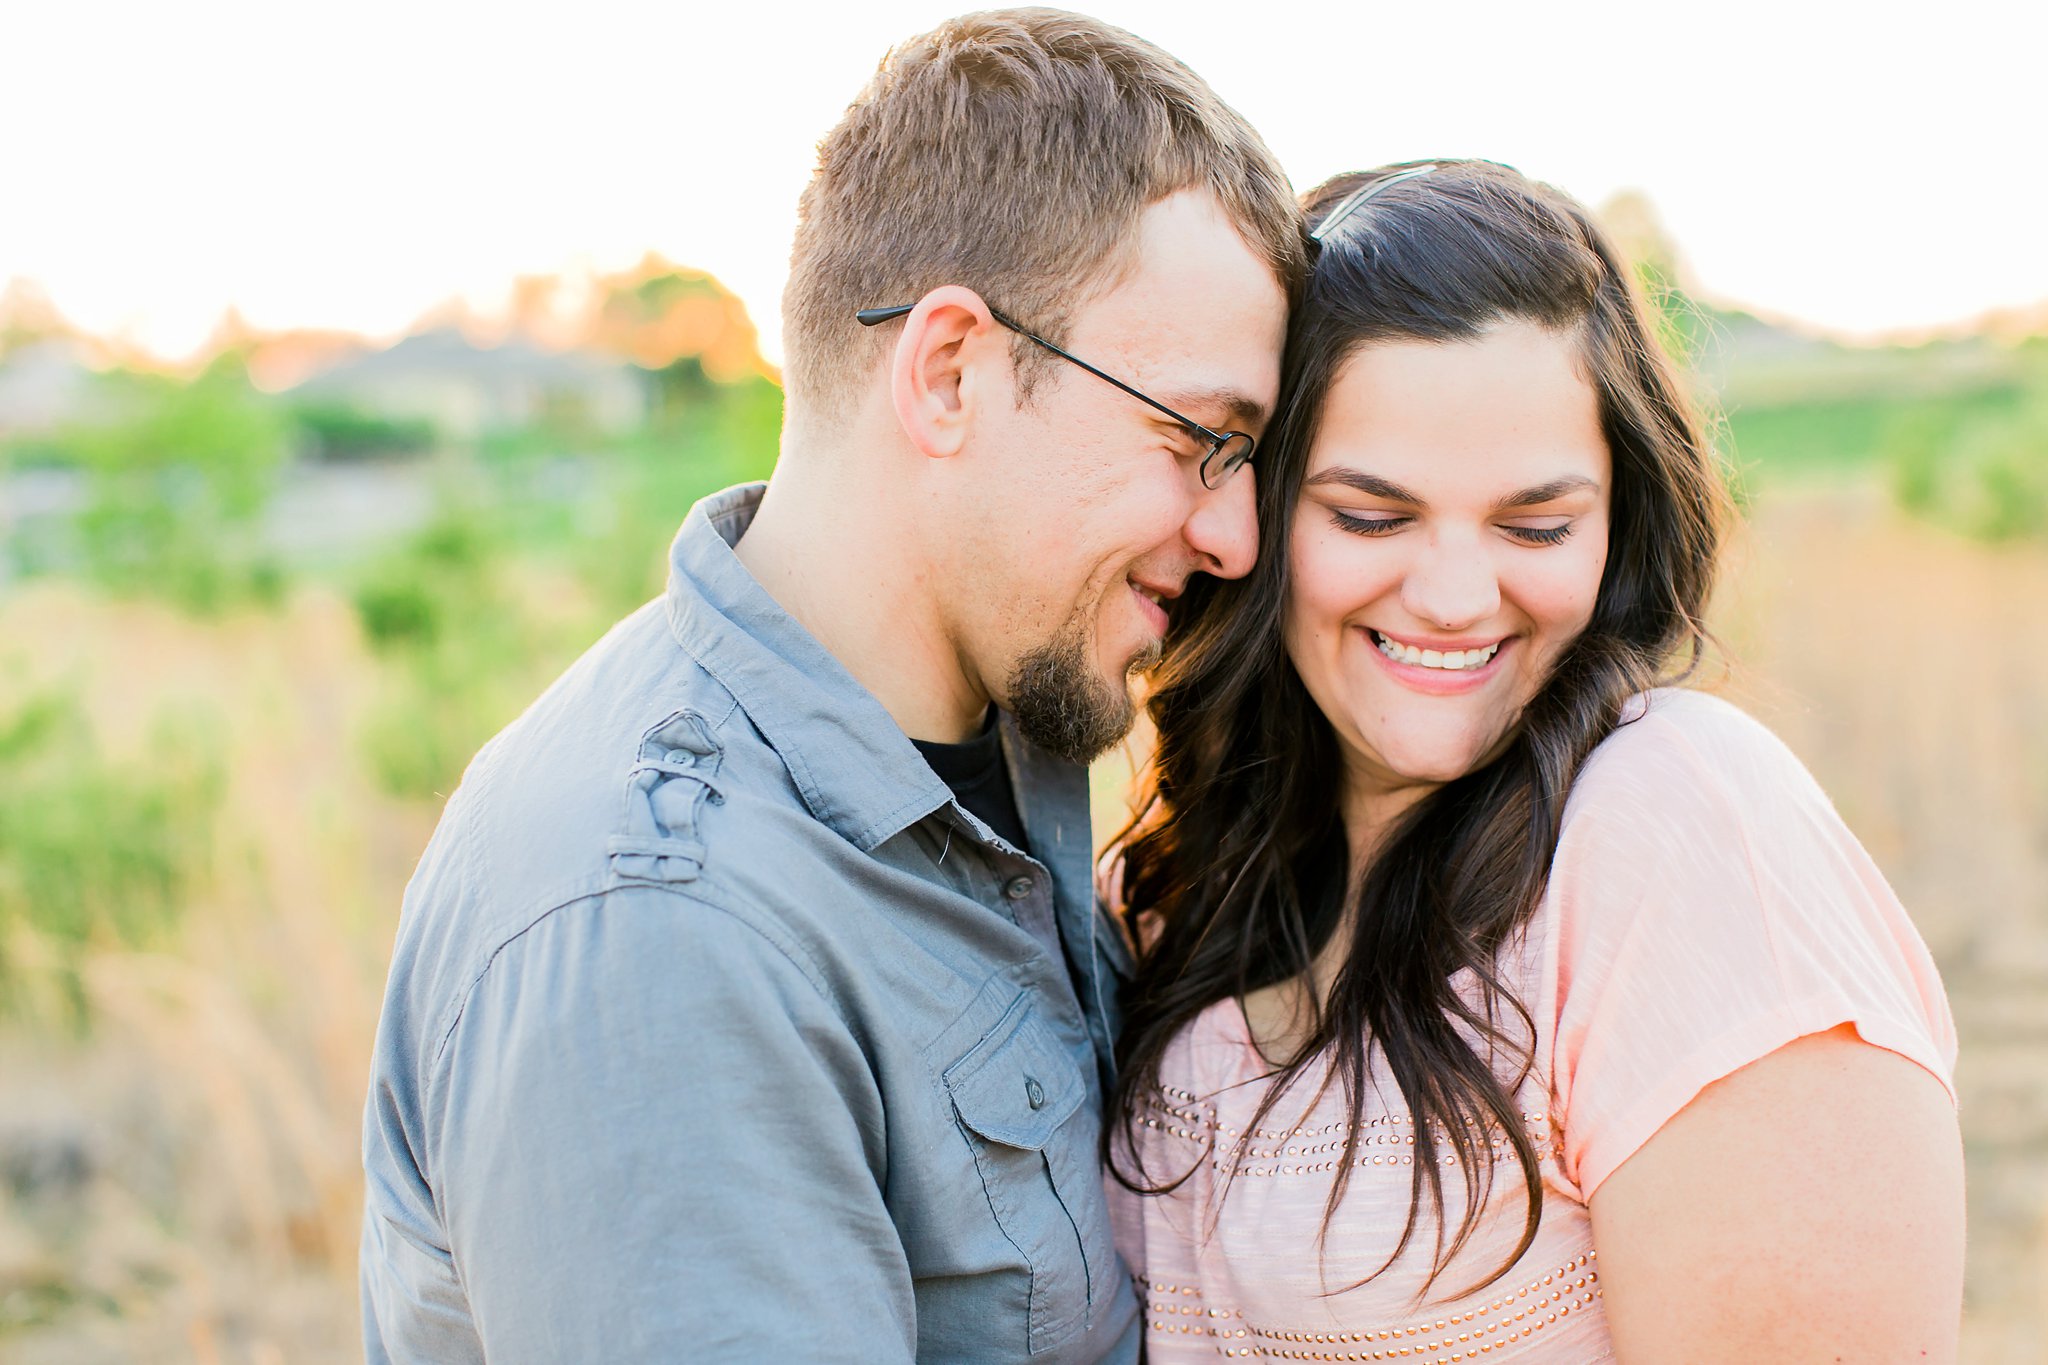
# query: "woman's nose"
[1452,584]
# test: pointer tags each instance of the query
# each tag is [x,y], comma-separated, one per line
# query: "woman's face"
[1448,545]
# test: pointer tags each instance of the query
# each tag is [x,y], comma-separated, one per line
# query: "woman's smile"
[1440,668]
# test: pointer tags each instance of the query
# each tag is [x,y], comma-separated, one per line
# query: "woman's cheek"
[1563,594]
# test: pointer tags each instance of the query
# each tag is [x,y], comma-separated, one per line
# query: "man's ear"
[943,367]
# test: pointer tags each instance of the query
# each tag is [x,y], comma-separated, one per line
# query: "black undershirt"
[980,779]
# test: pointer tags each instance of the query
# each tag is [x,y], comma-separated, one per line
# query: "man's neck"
[840,563]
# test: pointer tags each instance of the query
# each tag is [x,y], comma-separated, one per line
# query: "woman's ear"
[942,368]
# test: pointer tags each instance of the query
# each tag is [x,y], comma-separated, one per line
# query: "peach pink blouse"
[1706,906]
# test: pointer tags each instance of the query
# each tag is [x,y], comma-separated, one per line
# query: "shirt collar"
[858,772]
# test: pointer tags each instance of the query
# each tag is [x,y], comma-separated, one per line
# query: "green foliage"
[619,552]
[407,597]
[1681,324]
[1913,448]
[1839,435]
[680,385]
[429,721]
[334,431]
[97,847]
[451,629]
[519,572]
[1984,475]
[178,475]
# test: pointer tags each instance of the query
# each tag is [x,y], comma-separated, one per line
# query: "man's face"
[1091,510]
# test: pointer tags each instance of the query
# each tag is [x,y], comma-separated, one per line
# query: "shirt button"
[1017,888]
[1034,1092]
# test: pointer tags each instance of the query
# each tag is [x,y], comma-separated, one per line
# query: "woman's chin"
[1409,748]
[1433,765]
[1437,773]
[1427,746]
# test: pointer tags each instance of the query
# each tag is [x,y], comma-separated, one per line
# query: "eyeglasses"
[1228,452]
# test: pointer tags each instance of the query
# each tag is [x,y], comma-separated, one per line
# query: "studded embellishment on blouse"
[1308,1150]
[1203,1302]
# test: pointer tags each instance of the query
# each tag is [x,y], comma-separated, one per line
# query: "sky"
[321,165]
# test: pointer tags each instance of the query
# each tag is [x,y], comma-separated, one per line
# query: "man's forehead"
[1189,262]
[1219,351]
[1196,319]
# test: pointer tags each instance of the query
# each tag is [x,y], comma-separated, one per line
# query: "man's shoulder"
[542,800]
[602,781]
[636,770]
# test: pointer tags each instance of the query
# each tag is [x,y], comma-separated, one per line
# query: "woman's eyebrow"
[1547,492]
[1372,485]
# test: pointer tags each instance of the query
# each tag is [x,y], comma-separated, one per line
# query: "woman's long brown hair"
[1236,870]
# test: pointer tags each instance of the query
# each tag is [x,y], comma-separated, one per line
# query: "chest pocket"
[1015,1093]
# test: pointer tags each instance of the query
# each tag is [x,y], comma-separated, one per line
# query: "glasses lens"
[1230,454]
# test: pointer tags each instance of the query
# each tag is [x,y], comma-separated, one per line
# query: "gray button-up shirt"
[717,1030]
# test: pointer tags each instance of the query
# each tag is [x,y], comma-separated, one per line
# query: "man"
[720,1027]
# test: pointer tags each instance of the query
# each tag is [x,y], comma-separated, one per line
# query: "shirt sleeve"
[1708,906]
[658,1140]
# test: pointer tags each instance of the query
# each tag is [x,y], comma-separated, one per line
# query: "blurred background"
[357,364]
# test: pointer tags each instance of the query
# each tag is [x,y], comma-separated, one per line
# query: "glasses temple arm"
[869,317]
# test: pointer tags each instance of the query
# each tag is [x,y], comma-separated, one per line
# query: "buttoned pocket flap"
[1018,1084]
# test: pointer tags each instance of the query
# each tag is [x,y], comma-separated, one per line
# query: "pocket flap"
[1017,1085]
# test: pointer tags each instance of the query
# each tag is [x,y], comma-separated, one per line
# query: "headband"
[1351,201]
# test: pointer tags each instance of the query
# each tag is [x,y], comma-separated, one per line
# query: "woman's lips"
[1436,679]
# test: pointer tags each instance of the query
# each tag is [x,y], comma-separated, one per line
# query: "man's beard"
[1063,705]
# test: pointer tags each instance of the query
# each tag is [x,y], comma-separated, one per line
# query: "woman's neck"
[1371,808]
[1282,1016]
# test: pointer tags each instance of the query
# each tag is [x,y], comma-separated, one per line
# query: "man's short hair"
[1012,152]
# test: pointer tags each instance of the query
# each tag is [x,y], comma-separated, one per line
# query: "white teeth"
[1449,660]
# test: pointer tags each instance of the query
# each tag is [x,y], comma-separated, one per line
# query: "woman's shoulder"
[1690,810]
[1706,906]
[1683,719]
[1685,753]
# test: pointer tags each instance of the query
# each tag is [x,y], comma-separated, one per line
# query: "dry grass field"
[1906,668]
[180,1182]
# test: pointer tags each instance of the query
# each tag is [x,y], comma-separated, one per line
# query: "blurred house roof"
[464,388]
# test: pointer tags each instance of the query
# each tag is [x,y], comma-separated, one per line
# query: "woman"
[1496,1002]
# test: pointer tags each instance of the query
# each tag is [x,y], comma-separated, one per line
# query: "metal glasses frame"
[1229,451]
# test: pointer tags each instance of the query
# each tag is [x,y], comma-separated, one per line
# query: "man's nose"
[1223,527]
[1451,584]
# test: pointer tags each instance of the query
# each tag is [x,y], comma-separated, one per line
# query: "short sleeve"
[1706,907]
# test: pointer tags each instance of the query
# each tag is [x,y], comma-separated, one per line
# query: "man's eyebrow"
[1546,492]
[1372,485]
[1240,408]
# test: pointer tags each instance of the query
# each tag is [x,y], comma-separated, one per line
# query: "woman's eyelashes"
[1380,525]
[1367,526]
[1540,535]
